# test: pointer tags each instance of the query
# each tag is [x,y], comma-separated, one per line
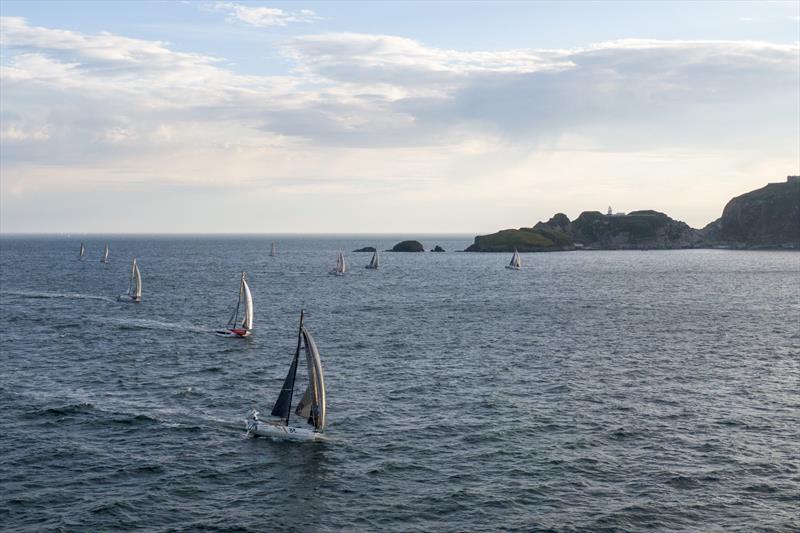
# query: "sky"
[388,117]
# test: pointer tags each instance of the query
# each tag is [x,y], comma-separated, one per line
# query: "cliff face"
[768,217]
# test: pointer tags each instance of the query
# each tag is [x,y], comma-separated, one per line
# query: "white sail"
[136,292]
[312,406]
[341,266]
[247,323]
[104,259]
[516,261]
[374,262]
[82,251]
[273,250]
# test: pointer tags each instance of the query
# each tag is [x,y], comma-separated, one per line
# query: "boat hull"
[232,333]
[513,267]
[128,298]
[336,273]
[259,428]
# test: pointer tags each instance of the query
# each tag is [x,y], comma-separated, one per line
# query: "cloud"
[525,96]
[264,16]
[382,113]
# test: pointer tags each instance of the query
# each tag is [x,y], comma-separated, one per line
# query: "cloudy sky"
[369,117]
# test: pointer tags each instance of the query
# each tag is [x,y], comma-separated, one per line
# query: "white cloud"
[388,115]
[263,16]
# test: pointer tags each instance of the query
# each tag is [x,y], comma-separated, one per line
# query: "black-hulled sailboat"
[311,407]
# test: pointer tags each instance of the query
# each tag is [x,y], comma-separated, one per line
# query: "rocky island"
[407,246]
[765,218]
[365,249]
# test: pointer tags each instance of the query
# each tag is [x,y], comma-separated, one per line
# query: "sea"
[589,391]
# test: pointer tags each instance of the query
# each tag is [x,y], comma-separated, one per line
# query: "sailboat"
[374,264]
[273,251]
[104,259]
[82,252]
[134,293]
[311,408]
[341,266]
[235,327]
[516,261]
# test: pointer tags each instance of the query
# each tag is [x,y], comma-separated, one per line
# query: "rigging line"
[296,357]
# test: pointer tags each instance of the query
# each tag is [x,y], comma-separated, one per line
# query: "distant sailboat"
[134,293]
[374,263]
[82,252]
[243,327]
[312,407]
[273,251]
[104,259]
[516,261]
[341,266]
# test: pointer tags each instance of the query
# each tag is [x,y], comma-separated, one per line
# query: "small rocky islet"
[766,218]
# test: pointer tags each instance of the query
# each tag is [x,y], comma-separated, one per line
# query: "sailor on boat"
[311,407]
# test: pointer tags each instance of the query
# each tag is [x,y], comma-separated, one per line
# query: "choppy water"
[590,391]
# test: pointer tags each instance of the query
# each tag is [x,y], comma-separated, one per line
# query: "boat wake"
[144,323]
[69,295]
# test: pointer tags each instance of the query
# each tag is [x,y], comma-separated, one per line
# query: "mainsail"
[82,252]
[273,250]
[516,260]
[104,259]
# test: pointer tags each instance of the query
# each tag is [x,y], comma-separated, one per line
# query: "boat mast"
[296,356]
[232,320]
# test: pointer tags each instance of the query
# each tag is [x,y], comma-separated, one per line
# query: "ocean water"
[589,391]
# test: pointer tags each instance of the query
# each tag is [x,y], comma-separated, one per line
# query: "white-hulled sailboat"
[104,259]
[243,327]
[311,408]
[341,266]
[273,250]
[82,251]
[374,262]
[134,293]
[516,261]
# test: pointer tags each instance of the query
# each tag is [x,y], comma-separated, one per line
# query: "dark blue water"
[590,391]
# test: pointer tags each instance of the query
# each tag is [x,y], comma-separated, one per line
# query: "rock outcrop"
[438,249]
[408,246]
[365,249]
